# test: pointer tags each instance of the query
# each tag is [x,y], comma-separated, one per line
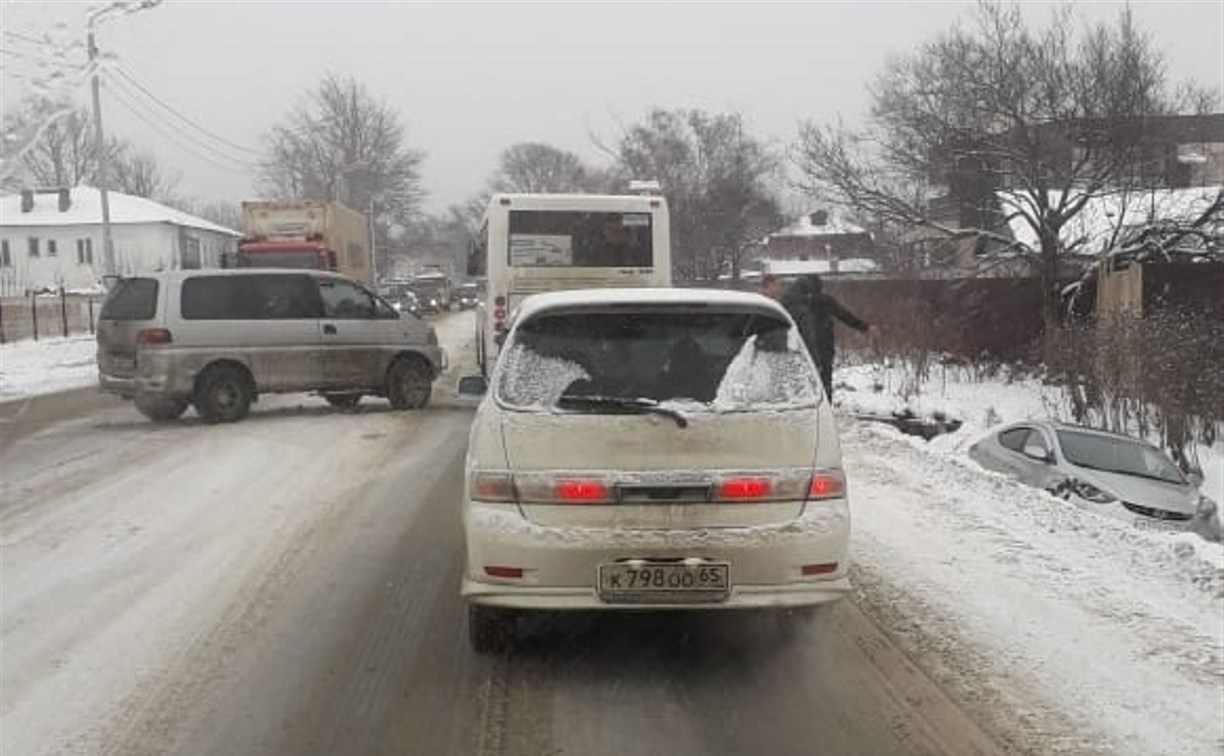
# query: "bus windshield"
[550,238]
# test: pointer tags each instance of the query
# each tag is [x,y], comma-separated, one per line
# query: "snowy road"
[288,585]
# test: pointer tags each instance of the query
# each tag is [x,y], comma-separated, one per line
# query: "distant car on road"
[651,449]
[1105,472]
[217,339]
[467,296]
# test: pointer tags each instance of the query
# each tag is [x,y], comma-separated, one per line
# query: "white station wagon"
[651,449]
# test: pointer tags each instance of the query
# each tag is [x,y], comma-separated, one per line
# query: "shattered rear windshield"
[697,360]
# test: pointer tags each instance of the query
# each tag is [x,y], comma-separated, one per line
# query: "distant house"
[1178,156]
[819,242]
[53,238]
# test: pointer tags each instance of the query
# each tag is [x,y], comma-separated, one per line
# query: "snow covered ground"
[1047,618]
[1069,632]
[45,366]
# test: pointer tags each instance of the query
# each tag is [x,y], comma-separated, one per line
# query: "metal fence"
[48,315]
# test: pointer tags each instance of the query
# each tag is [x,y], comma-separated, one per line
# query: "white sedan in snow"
[1108,473]
[651,449]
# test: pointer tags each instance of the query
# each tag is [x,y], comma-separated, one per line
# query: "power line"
[24,38]
[135,101]
[234,166]
[130,79]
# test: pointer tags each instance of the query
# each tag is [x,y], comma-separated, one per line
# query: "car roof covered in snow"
[644,297]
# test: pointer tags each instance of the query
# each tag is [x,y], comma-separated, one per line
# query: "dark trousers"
[824,363]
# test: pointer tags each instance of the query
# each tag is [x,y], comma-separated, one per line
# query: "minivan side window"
[131,299]
[255,297]
[345,301]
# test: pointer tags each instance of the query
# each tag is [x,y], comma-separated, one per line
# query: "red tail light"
[503,572]
[587,491]
[824,568]
[827,484]
[745,488]
[153,336]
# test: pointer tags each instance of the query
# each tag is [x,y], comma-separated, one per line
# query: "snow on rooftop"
[1094,226]
[833,226]
[86,209]
[804,267]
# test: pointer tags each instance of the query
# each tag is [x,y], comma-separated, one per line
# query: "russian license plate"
[638,581]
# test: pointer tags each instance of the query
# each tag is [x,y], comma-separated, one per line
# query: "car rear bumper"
[124,386]
[560,565]
[742,597]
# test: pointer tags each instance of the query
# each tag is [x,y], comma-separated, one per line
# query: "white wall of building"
[139,248]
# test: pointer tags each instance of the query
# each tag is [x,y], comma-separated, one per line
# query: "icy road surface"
[288,585]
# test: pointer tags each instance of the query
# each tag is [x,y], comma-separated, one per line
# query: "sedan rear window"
[691,359]
[131,299]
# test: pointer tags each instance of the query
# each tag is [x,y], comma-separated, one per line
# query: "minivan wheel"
[343,401]
[409,384]
[161,409]
[490,629]
[223,394]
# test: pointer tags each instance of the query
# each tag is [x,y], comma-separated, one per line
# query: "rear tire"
[343,401]
[409,383]
[223,394]
[161,409]
[490,629]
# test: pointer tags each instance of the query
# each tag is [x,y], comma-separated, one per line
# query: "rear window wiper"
[628,405]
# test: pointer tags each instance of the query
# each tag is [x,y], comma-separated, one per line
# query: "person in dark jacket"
[813,311]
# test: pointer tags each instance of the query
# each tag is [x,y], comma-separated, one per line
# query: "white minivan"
[651,449]
[217,339]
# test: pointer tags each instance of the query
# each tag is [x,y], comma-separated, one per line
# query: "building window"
[52,248]
[6,258]
[84,251]
[33,242]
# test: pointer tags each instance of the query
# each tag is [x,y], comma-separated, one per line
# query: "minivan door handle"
[329,329]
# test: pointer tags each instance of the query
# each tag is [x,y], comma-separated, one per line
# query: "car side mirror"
[1037,452]
[473,386]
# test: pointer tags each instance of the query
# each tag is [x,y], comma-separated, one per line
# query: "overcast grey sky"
[469,79]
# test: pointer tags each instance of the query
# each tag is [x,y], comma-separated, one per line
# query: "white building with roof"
[53,238]
[820,242]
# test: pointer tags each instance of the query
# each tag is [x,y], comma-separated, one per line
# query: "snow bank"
[979,404]
[28,368]
[1013,597]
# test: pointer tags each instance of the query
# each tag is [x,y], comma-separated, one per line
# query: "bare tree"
[140,174]
[343,144]
[535,168]
[1044,119]
[717,180]
[60,148]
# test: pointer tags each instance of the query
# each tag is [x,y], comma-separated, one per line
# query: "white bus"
[533,243]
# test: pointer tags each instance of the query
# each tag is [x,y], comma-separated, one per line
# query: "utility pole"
[373,246]
[108,247]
